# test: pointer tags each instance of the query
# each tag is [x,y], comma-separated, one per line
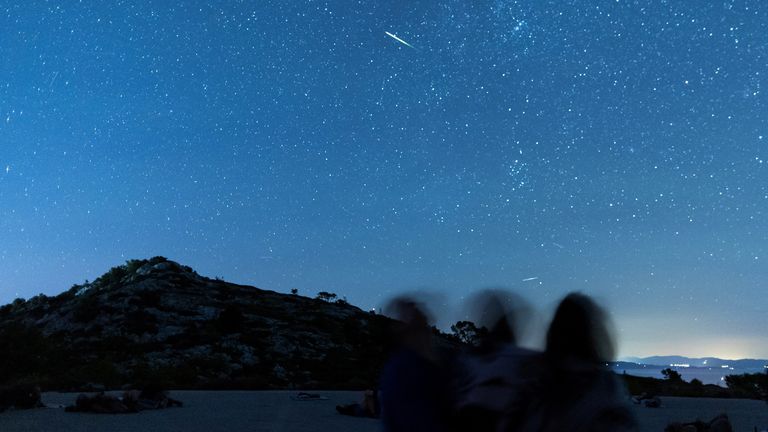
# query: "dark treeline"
[743,386]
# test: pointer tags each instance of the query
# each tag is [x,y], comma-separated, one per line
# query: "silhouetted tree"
[342,301]
[748,385]
[468,332]
[326,296]
[672,375]
[294,291]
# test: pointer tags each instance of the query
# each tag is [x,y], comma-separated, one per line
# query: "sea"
[707,375]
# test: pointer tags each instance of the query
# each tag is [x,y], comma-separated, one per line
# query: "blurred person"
[575,390]
[488,378]
[414,390]
[720,423]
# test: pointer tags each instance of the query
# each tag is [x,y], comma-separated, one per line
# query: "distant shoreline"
[707,375]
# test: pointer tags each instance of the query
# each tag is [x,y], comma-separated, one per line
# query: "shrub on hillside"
[87,309]
[25,352]
[230,320]
[753,386]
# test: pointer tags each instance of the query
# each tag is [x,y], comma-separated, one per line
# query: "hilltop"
[159,321]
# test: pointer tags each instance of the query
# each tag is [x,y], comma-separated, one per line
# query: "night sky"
[370,148]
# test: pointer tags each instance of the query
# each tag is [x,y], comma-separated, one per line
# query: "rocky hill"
[158,321]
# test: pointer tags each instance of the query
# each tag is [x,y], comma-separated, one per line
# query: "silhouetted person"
[132,401]
[23,396]
[720,423]
[414,390]
[490,376]
[368,407]
[576,391]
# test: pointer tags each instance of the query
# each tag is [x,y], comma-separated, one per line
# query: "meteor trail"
[530,279]
[399,40]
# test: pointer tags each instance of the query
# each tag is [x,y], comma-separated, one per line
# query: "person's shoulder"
[402,356]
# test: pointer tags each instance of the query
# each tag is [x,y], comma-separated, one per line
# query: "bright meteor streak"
[530,279]
[399,40]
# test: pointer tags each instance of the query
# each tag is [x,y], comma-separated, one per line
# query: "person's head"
[503,315]
[579,331]
[411,330]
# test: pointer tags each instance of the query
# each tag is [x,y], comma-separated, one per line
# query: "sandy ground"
[744,414]
[274,411]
